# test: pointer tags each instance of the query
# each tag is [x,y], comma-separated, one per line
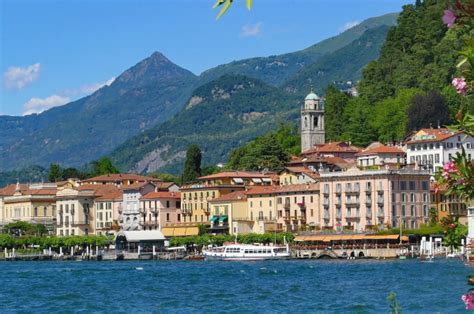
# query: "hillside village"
[328,187]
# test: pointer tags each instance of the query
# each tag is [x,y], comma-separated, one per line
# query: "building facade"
[432,148]
[362,200]
[158,209]
[131,216]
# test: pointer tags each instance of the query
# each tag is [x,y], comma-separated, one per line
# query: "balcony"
[326,192]
[266,219]
[154,210]
[287,218]
[368,201]
[338,190]
[142,210]
[352,203]
[302,218]
[326,215]
[380,214]
[287,206]
[302,205]
[80,223]
[326,202]
[380,200]
[368,215]
[338,215]
[356,188]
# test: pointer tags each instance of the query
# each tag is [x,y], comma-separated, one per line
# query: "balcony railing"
[79,223]
[265,218]
[338,215]
[326,215]
[380,213]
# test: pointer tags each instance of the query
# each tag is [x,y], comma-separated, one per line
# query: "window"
[168,217]
[412,198]
[167,204]
[36,212]
[403,185]
[270,203]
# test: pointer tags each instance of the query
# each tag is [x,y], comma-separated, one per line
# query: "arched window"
[305,122]
[315,122]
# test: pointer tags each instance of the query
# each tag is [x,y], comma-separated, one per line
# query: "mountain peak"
[158,56]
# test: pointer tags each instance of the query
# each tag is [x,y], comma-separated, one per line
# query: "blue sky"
[55,51]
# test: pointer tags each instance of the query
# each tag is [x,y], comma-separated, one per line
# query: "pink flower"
[449,18]
[450,166]
[468,299]
[459,84]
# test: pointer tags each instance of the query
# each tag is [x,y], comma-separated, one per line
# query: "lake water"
[200,286]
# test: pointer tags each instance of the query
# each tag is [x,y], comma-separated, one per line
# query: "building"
[34,203]
[448,205]
[6,191]
[318,163]
[432,148]
[158,209]
[380,156]
[196,197]
[312,122]
[132,193]
[108,208]
[298,175]
[227,211]
[119,179]
[344,150]
[362,200]
[81,211]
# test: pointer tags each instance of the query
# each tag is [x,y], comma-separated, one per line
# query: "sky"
[56,51]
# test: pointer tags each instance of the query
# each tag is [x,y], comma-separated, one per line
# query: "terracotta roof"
[9,190]
[135,186]
[115,177]
[333,147]
[319,159]
[109,195]
[164,185]
[234,196]
[234,174]
[431,135]
[306,171]
[158,195]
[283,189]
[381,150]
[40,192]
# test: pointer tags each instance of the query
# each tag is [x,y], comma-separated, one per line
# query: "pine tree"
[334,106]
[192,164]
[54,173]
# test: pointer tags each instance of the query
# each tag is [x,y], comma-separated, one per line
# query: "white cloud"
[38,105]
[250,30]
[348,25]
[18,77]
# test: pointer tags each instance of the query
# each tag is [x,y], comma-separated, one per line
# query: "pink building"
[362,200]
[157,209]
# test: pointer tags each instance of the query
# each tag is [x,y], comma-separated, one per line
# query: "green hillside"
[220,115]
[276,70]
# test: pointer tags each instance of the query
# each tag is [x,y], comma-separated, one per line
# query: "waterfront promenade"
[271,286]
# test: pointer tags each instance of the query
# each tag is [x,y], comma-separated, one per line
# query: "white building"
[432,148]
[380,155]
[130,219]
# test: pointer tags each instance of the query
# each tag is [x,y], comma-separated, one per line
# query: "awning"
[180,231]
[214,218]
[223,218]
[146,235]
[256,180]
[267,180]
[238,180]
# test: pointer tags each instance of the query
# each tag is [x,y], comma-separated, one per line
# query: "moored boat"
[247,252]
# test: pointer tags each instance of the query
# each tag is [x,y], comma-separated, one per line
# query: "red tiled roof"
[158,195]
[109,195]
[116,177]
[135,186]
[333,147]
[307,171]
[381,150]
[234,174]
[431,135]
[9,190]
[40,192]
[234,196]
[164,185]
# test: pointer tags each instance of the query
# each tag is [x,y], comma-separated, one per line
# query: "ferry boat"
[247,252]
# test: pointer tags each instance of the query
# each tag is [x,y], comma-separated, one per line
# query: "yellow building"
[448,205]
[227,211]
[195,198]
[35,203]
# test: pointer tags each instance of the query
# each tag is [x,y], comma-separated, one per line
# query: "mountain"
[276,70]
[345,64]
[219,116]
[150,92]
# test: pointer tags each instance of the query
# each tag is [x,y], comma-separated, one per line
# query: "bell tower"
[312,122]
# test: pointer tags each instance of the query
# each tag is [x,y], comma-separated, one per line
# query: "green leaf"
[218,3]
[224,8]
[461,63]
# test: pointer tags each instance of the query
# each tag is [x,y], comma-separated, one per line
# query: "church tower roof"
[312,96]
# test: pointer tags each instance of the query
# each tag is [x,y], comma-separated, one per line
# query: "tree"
[72,173]
[192,164]
[54,173]
[358,127]
[103,166]
[334,106]
[427,110]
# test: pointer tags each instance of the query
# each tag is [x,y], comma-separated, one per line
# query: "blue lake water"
[200,286]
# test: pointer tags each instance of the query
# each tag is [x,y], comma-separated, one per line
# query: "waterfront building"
[34,203]
[130,218]
[6,191]
[119,179]
[381,156]
[108,208]
[431,148]
[312,122]
[360,200]
[77,208]
[318,163]
[298,175]
[227,211]
[448,205]
[196,197]
[158,209]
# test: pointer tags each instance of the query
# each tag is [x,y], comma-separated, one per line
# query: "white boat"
[247,252]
